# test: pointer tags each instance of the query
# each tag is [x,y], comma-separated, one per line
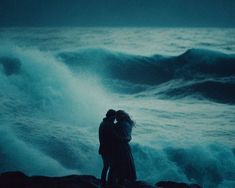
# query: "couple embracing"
[115,149]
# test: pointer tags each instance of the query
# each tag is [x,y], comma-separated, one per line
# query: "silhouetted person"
[106,146]
[122,166]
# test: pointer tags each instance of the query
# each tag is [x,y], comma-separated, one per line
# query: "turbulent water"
[178,84]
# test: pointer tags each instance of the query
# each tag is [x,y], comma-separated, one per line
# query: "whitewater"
[178,84]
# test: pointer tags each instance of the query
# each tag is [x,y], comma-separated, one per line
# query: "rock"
[20,180]
[171,184]
[13,180]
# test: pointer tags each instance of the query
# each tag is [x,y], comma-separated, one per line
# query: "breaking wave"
[40,95]
[202,72]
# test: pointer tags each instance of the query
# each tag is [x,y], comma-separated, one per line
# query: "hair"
[110,113]
[123,116]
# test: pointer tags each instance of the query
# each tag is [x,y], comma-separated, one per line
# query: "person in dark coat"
[106,146]
[123,165]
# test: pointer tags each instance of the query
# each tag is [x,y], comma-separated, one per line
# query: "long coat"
[123,162]
[106,137]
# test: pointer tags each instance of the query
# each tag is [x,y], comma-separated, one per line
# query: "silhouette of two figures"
[115,150]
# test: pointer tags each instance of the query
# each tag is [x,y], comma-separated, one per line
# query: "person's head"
[121,115]
[111,114]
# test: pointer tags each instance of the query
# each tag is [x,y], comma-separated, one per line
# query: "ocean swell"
[152,70]
[200,71]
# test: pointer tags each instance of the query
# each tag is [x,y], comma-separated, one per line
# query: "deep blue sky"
[170,13]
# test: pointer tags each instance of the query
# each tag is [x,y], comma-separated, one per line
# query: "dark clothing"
[105,137]
[106,146]
[123,162]
[106,166]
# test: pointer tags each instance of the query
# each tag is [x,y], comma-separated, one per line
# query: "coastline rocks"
[20,180]
[171,184]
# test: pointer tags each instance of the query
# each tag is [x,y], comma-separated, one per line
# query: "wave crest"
[200,72]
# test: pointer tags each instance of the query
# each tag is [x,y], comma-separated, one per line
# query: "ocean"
[178,85]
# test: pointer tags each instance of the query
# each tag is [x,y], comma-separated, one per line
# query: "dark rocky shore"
[20,180]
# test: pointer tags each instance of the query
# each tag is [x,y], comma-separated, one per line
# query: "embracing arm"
[122,132]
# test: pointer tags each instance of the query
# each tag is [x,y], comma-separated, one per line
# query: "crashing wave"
[152,70]
[132,73]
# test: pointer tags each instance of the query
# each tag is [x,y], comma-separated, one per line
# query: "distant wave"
[217,90]
[196,67]
[194,63]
